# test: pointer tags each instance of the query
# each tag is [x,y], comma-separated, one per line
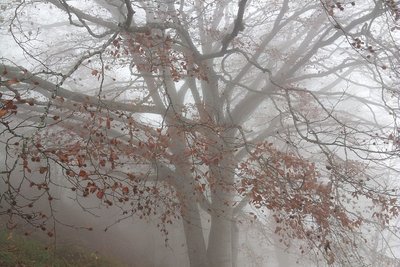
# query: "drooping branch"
[24,76]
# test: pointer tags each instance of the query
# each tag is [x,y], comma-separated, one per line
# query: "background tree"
[202,111]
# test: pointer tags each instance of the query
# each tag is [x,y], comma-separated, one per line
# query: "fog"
[137,242]
[203,133]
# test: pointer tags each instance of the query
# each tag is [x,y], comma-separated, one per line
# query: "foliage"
[169,110]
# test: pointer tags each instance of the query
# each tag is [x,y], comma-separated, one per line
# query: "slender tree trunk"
[182,181]
[192,226]
[194,236]
[235,243]
[219,249]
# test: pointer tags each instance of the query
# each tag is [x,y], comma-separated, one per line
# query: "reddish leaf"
[125,190]
[93,189]
[43,170]
[12,81]
[83,173]
[100,194]
[3,112]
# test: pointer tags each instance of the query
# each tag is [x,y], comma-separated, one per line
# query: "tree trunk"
[194,236]
[182,181]
[219,249]
[191,218]
[235,242]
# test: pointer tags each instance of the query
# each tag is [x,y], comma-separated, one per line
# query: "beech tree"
[206,110]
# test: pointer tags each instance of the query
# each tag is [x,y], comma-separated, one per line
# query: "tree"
[175,109]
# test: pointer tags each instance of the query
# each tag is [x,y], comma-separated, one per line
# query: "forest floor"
[23,250]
